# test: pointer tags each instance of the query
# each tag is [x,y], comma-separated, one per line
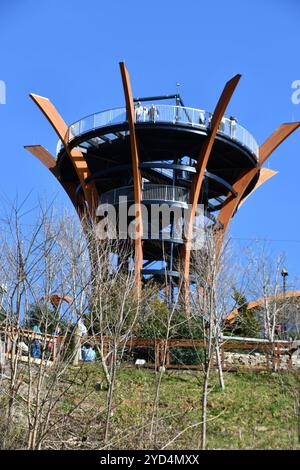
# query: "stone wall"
[257,360]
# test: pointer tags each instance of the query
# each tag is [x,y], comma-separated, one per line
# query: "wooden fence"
[272,351]
[162,349]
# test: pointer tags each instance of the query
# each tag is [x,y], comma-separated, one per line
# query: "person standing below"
[36,349]
[23,349]
[36,329]
[36,346]
[82,328]
[88,353]
[80,331]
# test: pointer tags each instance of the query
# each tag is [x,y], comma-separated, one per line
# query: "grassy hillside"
[256,411]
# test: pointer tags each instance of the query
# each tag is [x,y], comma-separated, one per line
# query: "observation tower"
[155,150]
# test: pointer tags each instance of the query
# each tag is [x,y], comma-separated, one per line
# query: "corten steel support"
[232,203]
[264,176]
[201,164]
[137,181]
[49,162]
[294,294]
[76,157]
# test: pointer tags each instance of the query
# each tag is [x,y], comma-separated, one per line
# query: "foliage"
[46,316]
[158,321]
[245,323]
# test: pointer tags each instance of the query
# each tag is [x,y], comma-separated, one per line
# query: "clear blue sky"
[68,50]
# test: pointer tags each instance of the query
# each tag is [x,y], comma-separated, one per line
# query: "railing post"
[167,362]
[274,360]
[290,359]
[222,356]
[157,354]
[267,355]
[162,350]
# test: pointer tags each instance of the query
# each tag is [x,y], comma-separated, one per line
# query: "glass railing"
[192,117]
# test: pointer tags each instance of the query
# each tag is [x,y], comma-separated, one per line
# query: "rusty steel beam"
[264,175]
[201,164]
[276,139]
[254,304]
[240,186]
[137,181]
[49,162]
[76,157]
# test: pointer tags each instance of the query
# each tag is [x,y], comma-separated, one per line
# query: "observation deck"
[163,114]
[159,153]
[170,137]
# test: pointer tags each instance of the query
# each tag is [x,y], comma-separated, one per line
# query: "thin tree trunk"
[109,402]
[202,443]
[219,365]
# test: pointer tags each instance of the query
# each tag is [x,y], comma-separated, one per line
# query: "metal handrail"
[177,115]
[150,192]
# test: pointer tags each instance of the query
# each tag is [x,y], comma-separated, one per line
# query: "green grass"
[255,411]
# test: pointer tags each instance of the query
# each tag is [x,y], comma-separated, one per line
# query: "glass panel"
[153,113]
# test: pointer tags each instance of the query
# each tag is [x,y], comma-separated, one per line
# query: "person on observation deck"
[202,118]
[139,110]
[222,125]
[145,113]
[153,113]
[233,122]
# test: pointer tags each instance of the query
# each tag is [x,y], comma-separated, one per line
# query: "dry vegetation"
[106,405]
[255,411]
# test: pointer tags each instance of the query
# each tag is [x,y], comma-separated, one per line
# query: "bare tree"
[112,304]
[215,277]
[35,265]
[265,284]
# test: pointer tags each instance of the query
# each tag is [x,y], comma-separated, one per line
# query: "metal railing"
[150,192]
[197,118]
